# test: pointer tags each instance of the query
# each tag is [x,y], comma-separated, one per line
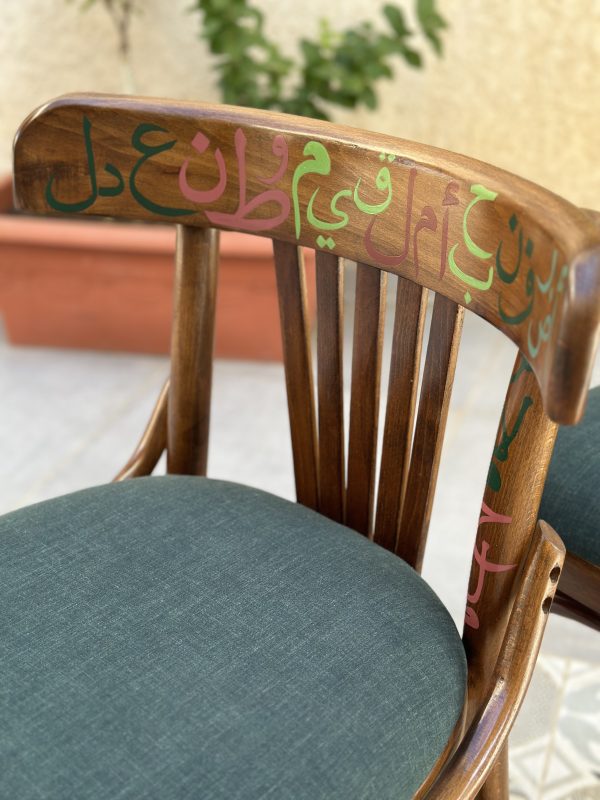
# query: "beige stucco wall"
[519,85]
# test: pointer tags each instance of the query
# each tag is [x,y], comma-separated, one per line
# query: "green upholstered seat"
[179,637]
[571,500]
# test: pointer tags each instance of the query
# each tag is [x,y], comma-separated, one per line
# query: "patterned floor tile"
[555,745]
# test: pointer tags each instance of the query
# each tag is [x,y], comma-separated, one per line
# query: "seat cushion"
[179,637]
[571,500]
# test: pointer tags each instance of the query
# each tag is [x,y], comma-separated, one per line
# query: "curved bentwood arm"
[465,773]
[152,443]
[515,254]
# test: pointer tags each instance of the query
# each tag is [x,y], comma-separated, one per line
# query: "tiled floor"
[70,419]
[555,745]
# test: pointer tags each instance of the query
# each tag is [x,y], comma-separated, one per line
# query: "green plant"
[338,68]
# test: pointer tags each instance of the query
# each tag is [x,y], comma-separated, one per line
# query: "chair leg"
[496,785]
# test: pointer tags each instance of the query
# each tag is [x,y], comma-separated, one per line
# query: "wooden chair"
[178,636]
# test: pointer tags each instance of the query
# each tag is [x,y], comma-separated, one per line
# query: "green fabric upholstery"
[571,500]
[179,637]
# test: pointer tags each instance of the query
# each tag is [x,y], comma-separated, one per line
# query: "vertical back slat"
[409,321]
[295,335]
[436,388]
[330,341]
[192,338]
[364,399]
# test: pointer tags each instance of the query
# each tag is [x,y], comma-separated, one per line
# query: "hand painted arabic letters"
[500,453]
[73,208]
[321,224]
[544,328]
[507,276]
[428,222]
[521,316]
[240,218]
[318,164]
[104,191]
[200,143]
[450,199]
[524,366]
[545,286]
[383,181]
[112,191]
[279,148]
[489,515]
[481,193]
[381,258]
[148,151]
[485,566]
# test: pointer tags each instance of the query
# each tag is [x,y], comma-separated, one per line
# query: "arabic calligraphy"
[549,288]
[394,211]
[148,151]
[481,193]
[485,567]
[241,217]
[488,515]
[319,163]
[106,191]
[500,453]
[494,484]
[200,143]
[394,260]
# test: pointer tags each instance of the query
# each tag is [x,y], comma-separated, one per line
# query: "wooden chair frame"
[517,255]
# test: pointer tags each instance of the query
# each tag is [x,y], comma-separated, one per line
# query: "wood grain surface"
[510,251]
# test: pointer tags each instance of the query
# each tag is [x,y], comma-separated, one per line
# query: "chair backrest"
[480,238]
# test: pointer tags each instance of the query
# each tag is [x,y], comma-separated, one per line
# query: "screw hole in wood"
[546,605]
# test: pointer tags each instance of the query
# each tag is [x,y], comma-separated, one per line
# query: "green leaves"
[250,67]
[431,23]
[395,16]
[337,68]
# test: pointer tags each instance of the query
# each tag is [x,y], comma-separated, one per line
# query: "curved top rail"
[517,255]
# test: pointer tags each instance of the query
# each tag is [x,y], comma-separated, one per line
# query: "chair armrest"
[465,773]
[153,441]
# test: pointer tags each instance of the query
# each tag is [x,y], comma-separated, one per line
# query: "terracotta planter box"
[108,286]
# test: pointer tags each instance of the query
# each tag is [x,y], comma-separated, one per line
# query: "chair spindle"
[330,342]
[409,322]
[291,291]
[436,388]
[192,339]
[367,348]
